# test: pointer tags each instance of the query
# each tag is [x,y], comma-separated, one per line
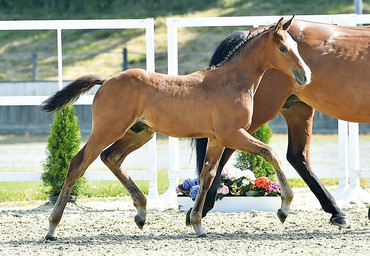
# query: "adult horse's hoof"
[282,216]
[340,221]
[50,238]
[139,222]
[187,221]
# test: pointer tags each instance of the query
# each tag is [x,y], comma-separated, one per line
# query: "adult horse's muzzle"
[302,78]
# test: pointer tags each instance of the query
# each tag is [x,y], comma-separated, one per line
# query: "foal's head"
[283,53]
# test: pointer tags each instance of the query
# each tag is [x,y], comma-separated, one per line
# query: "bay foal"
[339,57]
[132,105]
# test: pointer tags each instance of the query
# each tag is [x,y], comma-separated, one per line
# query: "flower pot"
[71,199]
[237,204]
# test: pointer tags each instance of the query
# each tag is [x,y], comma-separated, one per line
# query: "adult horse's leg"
[212,192]
[299,117]
[213,155]
[243,141]
[113,157]
[77,167]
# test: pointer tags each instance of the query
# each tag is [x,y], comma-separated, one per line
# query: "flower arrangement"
[188,188]
[233,183]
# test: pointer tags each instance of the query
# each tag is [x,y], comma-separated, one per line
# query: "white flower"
[236,174]
[249,174]
[245,182]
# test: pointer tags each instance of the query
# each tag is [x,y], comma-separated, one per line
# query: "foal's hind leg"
[113,157]
[243,141]
[77,167]
[213,155]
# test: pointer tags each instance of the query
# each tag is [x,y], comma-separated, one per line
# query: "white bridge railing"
[348,132]
[60,26]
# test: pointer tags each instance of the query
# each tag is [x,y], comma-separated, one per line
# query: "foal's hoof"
[139,222]
[50,238]
[204,235]
[341,221]
[187,221]
[282,216]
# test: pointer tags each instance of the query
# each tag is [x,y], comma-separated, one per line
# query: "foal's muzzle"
[302,78]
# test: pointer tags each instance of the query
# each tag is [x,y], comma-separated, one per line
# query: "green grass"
[299,183]
[21,191]
[34,190]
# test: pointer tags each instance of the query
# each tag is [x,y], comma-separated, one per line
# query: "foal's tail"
[71,92]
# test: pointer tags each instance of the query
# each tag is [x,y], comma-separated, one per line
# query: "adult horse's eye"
[283,49]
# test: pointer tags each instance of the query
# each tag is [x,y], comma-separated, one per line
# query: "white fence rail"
[346,192]
[59,26]
[93,175]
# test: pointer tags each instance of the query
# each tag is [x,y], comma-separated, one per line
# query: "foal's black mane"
[232,45]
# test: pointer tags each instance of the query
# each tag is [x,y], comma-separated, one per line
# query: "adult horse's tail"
[71,92]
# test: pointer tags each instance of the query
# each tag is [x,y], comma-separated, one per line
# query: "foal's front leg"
[243,141]
[213,155]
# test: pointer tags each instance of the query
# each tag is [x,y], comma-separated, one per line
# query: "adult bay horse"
[132,105]
[339,58]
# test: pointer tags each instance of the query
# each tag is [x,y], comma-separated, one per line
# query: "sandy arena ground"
[107,228]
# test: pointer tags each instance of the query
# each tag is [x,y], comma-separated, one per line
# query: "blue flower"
[188,183]
[197,181]
[194,191]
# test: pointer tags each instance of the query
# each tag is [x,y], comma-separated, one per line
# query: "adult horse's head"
[285,55]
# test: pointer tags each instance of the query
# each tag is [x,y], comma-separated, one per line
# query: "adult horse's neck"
[244,71]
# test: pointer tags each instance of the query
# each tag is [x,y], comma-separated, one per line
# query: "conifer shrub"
[255,163]
[63,144]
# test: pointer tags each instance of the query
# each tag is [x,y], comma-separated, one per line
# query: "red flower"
[262,182]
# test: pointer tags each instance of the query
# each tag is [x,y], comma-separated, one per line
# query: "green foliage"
[72,9]
[63,145]
[255,163]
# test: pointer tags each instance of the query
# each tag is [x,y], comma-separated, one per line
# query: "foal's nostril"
[300,77]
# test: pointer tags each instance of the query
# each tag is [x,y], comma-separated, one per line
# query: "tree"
[258,165]
[63,145]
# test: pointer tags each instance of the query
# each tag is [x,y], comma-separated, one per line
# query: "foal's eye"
[283,49]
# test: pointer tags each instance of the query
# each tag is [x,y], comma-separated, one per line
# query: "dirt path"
[107,228]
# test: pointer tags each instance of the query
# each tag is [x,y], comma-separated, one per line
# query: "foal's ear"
[287,24]
[278,26]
